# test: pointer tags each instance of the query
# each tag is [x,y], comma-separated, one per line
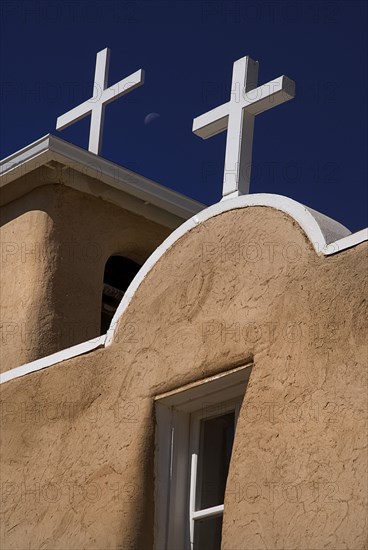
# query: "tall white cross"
[237,116]
[101,97]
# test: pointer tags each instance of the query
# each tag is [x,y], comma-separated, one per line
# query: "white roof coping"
[327,236]
[120,186]
[53,359]
[323,232]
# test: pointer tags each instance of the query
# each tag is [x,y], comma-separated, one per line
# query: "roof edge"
[113,175]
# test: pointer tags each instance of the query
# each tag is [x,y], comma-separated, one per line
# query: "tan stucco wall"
[55,242]
[80,435]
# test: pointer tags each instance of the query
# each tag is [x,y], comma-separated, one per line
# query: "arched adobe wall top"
[321,230]
[327,236]
[331,229]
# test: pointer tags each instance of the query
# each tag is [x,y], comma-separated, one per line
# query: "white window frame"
[195,422]
[175,459]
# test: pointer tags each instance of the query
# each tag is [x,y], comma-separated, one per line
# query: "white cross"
[101,97]
[237,116]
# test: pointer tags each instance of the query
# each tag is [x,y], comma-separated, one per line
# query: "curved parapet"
[327,237]
[322,231]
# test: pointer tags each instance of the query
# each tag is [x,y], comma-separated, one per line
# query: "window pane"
[207,533]
[215,446]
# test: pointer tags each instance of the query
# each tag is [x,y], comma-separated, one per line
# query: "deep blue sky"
[312,148]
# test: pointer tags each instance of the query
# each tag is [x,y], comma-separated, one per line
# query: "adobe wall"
[55,243]
[78,438]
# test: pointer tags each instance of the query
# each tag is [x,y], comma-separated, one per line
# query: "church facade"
[208,392]
[176,377]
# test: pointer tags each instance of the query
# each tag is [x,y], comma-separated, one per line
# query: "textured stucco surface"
[77,438]
[55,242]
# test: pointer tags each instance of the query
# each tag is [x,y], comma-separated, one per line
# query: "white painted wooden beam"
[237,117]
[95,106]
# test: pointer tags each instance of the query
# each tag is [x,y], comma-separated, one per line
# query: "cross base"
[232,195]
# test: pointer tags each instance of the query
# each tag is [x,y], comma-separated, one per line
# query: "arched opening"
[119,272]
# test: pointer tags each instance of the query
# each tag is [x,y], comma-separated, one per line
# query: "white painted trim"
[23,156]
[186,398]
[119,181]
[327,236]
[208,512]
[49,360]
[320,230]
[177,414]
[192,491]
[347,242]
[225,406]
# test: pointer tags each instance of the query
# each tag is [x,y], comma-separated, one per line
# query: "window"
[212,435]
[195,429]
[119,273]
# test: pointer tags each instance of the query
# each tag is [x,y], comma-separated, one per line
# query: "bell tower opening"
[119,273]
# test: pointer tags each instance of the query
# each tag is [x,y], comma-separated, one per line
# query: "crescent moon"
[150,118]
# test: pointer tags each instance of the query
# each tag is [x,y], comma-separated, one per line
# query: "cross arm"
[126,85]
[74,115]
[211,123]
[269,95]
